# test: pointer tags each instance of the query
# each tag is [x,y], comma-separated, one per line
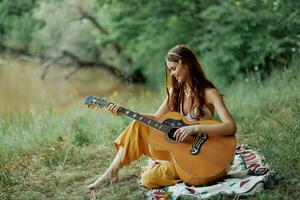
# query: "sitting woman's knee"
[148,180]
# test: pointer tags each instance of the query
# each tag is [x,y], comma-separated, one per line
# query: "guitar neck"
[147,121]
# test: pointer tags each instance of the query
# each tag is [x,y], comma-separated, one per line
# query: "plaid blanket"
[248,174]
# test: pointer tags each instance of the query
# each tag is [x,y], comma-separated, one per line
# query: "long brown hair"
[184,55]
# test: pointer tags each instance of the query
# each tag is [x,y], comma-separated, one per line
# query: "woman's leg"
[111,174]
[159,175]
[131,144]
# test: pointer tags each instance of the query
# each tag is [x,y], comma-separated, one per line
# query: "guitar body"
[210,164]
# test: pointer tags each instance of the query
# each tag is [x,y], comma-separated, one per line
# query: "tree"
[73,40]
[17,24]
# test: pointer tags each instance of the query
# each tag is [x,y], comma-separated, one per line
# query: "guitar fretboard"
[149,122]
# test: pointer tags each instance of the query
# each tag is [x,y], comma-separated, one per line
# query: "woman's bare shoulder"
[212,94]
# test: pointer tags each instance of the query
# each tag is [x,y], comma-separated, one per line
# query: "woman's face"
[178,71]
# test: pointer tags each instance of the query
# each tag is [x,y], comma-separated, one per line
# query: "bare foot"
[111,174]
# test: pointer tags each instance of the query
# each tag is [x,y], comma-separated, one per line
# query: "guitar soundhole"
[171,134]
[175,124]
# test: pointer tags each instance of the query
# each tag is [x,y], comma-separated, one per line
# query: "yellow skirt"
[134,140]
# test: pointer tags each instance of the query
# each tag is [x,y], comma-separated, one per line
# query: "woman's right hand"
[113,108]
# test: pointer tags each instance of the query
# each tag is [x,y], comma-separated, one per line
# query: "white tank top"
[189,116]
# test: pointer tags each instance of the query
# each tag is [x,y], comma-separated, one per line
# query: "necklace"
[186,92]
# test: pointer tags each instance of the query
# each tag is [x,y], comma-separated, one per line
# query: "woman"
[189,93]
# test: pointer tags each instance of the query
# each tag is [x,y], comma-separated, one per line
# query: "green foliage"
[11,174]
[63,29]
[267,114]
[147,35]
[45,160]
[58,154]
[7,178]
[233,38]
[242,37]
[17,24]
[32,195]
[79,132]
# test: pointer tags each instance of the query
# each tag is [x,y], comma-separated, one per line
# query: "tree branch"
[86,14]
[48,64]
[116,46]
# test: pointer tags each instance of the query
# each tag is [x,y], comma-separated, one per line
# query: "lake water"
[22,89]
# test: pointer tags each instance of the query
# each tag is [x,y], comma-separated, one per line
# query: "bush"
[17,24]
[244,37]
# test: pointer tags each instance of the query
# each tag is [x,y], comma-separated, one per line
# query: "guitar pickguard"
[175,124]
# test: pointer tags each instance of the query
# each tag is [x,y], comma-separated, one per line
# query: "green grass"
[268,116]
[55,154]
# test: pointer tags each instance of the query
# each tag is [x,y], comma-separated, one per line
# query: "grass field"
[55,154]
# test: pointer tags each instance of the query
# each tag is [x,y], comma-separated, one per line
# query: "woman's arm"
[163,109]
[226,127]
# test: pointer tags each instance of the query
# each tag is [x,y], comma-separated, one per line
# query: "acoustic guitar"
[200,160]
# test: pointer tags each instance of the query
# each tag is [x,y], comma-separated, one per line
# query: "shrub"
[240,38]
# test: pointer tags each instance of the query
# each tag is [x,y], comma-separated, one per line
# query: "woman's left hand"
[182,133]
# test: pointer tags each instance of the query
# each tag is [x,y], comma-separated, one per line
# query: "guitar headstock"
[95,102]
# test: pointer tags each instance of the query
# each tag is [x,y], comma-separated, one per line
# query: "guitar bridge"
[199,142]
